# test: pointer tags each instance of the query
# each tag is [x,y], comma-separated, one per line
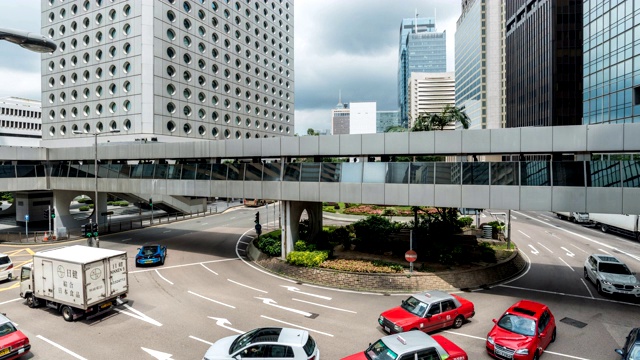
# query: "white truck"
[576,217]
[623,224]
[76,280]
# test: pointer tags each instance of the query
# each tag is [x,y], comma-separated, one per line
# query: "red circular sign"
[411,256]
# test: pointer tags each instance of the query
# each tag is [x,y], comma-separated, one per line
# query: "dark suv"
[631,349]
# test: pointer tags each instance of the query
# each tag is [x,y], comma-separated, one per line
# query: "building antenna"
[340,105]
[415,22]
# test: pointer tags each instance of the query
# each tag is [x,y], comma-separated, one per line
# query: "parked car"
[13,343]
[272,343]
[610,275]
[523,332]
[408,345]
[151,254]
[427,311]
[631,349]
[6,267]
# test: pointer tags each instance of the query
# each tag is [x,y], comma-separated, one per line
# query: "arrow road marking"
[569,253]
[206,298]
[295,289]
[222,322]
[273,303]
[545,248]
[209,269]
[533,250]
[324,306]
[520,231]
[157,354]
[247,286]
[138,315]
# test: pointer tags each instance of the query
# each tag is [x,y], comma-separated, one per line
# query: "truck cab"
[26,281]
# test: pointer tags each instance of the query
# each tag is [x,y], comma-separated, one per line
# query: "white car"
[266,343]
[6,267]
[610,275]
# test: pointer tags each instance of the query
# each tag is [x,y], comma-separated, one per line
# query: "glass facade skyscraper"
[611,61]
[421,49]
[387,119]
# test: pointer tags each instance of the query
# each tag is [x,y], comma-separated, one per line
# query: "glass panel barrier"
[160,171]
[568,173]
[292,172]
[136,171]
[189,171]
[475,173]
[253,172]
[397,173]
[374,172]
[351,172]
[147,171]
[422,173]
[26,170]
[603,174]
[448,173]
[535,173]
[114,170]
[203,172]
[310,172]
[7,171]
[271,172]
[85,171]
[174,172]
[73,170]
[505,173]
[236,171]
[40,171]
[631,173]
[219,171]
[330,172]
[103,170]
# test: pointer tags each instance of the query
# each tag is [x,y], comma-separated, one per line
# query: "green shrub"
[10,201]
[342,236]
[270,245]
[465,221]
[307,258]
[109,203]
[360,266]
[82,200]
[336,207]
[487,253]
[84,208]
[372,233]
[302,245]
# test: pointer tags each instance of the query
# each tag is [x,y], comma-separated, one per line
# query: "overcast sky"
[347,45]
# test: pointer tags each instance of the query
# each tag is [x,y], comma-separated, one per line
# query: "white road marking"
[163,278]
[521,232]
[273,303]
[8,301]
[295,289]
[572,295]
[157,354]
[569,253]
[198,339]
[566,263]
[203,224]
[533,250]
[514,218]
[166,231]
[61,347]
[603,251]
[222,322]
[127,239]
[579,248]
[206,298]
[183,265]
[137,314]
[549,250]
[556,236]
[465,335]
[247,286]
[298,326]
[209,269]
[324,306]
[244,242]
[587,286]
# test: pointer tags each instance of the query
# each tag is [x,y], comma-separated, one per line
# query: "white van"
[6,267]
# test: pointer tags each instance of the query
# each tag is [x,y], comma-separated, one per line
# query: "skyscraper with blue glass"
[421,49]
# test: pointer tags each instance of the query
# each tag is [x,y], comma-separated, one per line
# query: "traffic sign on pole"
[411,256]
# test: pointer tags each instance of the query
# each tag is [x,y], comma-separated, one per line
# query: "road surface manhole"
[573,322]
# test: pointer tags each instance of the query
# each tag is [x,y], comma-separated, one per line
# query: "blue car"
[151,254]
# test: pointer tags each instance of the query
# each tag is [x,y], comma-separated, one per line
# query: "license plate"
[503,353]
[148,261]
[105,305]
[387,329]
[5,351]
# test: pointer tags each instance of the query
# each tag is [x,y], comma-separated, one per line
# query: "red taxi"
[13,343]
[427,311]
[523,332]
[409,346]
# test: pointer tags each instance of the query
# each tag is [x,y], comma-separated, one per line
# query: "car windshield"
[148,250]
[414,306]
[380,351]
[254,336]
[634,353]
[614,268]
[7,328]
[517,324]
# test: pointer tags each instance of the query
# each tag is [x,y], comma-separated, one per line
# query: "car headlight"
[490,340]
[636,286]
[397,328]
[606,282]
[380,319]
[522,351]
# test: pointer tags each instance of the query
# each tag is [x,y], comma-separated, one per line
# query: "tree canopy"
[438,121]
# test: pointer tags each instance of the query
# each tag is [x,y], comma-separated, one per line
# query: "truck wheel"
[604,228]
[32,301]
[67,313]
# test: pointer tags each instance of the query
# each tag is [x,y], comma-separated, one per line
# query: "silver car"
[610,275]
[6,267]
[266,343]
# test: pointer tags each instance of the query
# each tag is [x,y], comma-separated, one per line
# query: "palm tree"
[434,121]
[396,128]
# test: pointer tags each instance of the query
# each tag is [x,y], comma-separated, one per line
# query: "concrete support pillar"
[292,210]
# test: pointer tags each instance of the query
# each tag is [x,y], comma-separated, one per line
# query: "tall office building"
[20,122]
[354,118]
[543,63]
[429,93]
[167,70]
[611,79]
[479,59]
[421,49]
[386,119]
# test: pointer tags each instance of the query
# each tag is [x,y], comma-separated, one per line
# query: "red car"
[13,343]
[406,346]
[523,332]
[427,311]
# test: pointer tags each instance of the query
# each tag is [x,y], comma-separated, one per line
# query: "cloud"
[22,84]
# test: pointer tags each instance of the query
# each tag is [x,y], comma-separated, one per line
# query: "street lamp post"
[96,208]
[28,40]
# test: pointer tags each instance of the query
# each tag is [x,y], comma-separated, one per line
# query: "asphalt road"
[206,291]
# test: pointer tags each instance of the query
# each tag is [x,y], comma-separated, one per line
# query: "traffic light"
[86,230]
[53,213]
[257,220]
[151,202]
[94,229]
[46,213]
